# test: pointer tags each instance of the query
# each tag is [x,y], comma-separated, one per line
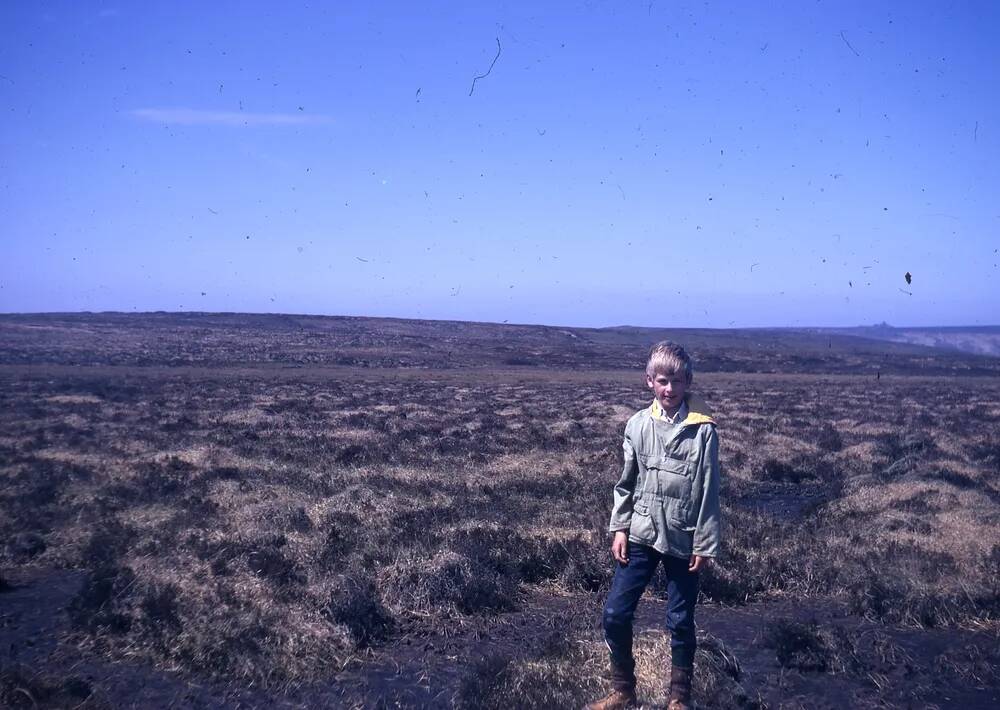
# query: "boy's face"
[669,389]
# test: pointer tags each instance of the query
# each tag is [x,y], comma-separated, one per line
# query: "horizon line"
[882,324]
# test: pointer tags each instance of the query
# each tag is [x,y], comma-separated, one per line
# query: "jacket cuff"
[712,551]
[619,524]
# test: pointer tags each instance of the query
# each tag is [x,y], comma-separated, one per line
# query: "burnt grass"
[256,508]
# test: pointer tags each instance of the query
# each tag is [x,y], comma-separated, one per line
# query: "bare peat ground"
[206,513]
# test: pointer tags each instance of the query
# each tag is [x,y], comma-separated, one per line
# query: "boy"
[666,509]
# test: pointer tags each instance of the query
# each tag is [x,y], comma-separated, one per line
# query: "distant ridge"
[974,339]
[217,340]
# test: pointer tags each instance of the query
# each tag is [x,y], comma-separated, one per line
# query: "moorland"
[205,510]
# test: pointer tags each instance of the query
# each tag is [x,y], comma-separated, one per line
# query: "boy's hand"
[619,547]
[698,563]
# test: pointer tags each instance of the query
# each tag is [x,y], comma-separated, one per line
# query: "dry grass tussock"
[565,671]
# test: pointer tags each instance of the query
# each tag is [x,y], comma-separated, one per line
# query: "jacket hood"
[698,411]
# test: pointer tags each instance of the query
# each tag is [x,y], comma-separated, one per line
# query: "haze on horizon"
[643,163]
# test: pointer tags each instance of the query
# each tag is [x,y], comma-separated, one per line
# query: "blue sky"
[649,163]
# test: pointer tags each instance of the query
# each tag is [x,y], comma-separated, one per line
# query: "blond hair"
[669,358]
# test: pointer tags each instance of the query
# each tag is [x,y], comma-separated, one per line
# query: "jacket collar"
[698,412]
[656,411]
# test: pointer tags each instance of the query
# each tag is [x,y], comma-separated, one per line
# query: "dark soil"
[427,669]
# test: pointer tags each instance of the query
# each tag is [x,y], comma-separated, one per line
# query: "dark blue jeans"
[627,586]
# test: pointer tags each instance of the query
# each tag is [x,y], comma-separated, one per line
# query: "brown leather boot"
[617,699]
[622,693]
[680,689]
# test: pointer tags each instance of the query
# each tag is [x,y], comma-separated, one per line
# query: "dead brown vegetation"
[273,528]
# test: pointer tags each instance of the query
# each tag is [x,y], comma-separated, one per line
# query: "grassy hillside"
[982,340]
[220,512]
[172,339]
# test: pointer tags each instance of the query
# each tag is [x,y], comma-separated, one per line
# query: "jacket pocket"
[642,526]
[680,516]
[671,476]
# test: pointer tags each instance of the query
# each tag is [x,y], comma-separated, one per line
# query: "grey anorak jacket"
[668,493]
